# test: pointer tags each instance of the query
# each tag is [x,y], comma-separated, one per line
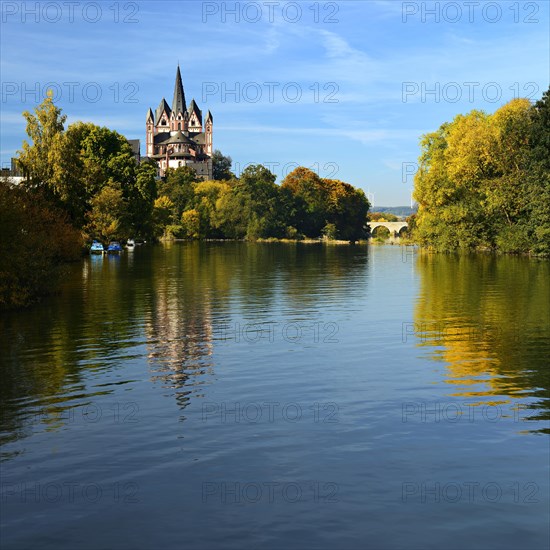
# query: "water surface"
[232,395]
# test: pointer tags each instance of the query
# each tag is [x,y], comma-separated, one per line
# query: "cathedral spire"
[178,104]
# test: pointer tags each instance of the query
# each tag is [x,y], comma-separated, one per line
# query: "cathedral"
[177,136]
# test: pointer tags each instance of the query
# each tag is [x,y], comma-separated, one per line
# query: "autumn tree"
[311,199]
[479,185]
[36,239]
[162,215]
[43,128]
[325,206]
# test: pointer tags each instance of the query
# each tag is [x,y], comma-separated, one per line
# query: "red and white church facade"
[177,136]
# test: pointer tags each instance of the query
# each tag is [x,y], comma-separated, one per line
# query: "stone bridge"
[394,227]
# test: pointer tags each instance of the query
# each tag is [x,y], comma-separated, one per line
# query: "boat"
[97,248]
[130,243]
[114,248]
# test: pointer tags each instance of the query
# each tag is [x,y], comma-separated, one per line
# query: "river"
[269,395]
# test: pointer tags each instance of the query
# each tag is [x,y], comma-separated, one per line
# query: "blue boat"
[96,248]
[114,248]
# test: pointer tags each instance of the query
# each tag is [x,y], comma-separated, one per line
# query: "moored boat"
[97,248]
[114,248]
[130,243]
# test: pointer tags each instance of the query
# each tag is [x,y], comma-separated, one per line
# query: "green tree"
[178,187]
[538,177]
[142,196]
[207,196]
[254,207]
[320,204]
[108,218]
[221,166]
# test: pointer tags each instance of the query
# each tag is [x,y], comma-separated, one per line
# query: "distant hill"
[399,211]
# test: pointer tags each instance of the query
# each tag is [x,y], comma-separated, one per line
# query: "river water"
[233,395]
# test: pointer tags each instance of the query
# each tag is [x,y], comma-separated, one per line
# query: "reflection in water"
[160,313]
[178,327]
[106,384]
[51,355]
[161,308]
[203,291]
[488,319]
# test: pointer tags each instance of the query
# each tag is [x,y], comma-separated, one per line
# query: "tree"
[254,207]
[178,187]
[162,215]
[505,196]
[452,166]
[142,196]
[347,209]
[221,166]
[108,218]
[311,197]
[538,178]
[43,128]
[382,217]
[323,203]
[207,197]
[483,181]
[36,239]
[191,224]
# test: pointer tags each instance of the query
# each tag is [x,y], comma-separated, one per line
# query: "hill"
[399,211]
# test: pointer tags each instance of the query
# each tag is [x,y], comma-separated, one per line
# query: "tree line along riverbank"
[483,183]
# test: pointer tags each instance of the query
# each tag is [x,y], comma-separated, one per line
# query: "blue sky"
[341,87]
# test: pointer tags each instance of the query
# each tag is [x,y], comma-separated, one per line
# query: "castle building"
[177,136]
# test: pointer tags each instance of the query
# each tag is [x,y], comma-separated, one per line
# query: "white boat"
[97,248]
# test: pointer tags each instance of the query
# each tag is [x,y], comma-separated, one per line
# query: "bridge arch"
[394,228]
